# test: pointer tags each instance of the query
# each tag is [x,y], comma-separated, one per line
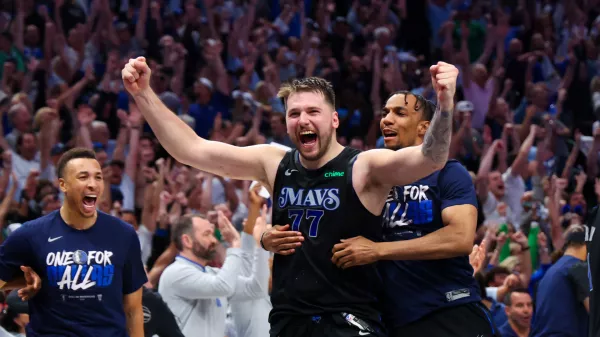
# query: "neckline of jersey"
[64,223]
[309,172]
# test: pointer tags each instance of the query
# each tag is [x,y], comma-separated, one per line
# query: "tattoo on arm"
[436,144]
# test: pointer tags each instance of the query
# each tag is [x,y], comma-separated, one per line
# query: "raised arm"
[257,162]
[387,168]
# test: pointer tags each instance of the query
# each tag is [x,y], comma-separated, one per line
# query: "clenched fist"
[443,79]
[136,76]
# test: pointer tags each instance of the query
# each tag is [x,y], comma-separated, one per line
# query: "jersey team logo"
[80,270]
[408,205]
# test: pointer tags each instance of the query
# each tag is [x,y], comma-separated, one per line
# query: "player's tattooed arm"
[436,143]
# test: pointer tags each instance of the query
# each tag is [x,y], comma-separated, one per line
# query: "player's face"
[82,185]
[203,242]
[311,123]
[521,309]
[401,125]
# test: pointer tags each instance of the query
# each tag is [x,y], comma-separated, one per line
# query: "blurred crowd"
[526,117]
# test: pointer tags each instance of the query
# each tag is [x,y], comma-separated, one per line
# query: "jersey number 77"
[313,216]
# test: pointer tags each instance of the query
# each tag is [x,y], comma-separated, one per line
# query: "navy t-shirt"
[85,274]
[416,288]
[507,331]
[558,312]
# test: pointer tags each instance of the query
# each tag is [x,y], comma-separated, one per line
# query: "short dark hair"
[308,84]
[74,153]
[508,296]
[421,104]
[491,274]
[185,225]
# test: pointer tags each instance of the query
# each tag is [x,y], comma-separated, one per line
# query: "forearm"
[442,244]
[570,162]
[592,161]
[436,144]
[485,165]
[16,283]
[135,321]
[520,164]
[253,214]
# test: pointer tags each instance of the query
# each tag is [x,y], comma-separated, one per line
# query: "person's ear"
[422,128]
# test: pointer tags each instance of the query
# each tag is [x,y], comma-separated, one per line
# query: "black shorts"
[471,319]
[333,325]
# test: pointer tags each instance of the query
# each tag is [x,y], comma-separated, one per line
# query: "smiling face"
[402,121]
[311,123]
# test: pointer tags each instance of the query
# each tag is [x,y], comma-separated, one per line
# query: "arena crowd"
[527,128]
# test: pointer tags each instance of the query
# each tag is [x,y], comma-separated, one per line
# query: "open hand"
[33,284]
[228,231]
[281,240]
[356,251]
[477,256]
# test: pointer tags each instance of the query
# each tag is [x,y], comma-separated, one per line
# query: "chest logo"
[80,270]
[408,205]
[51,239]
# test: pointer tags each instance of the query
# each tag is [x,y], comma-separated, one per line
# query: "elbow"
[462,245]
[463,248]
[227,289]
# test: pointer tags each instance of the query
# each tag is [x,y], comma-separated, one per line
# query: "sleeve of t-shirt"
[578,275]
[134,275]
[456,186]
[15,252]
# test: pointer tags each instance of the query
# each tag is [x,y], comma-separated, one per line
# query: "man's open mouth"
[388,133]
[308,137]
[89,201]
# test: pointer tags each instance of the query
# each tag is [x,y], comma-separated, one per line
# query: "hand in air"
[356,251]
[33,284]
[228,231]
[443,80]
[477,256]
[281,240]
[136,76]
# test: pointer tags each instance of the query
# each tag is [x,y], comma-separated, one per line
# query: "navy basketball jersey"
[85,274]
[415,288]
[323,205]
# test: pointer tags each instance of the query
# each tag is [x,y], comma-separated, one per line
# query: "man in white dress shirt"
[198,294]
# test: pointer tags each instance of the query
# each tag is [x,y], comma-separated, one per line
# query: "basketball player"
[323,192]
[429,227]
[593,258]
[89,262]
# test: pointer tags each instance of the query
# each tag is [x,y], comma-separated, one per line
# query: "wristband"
[261,240]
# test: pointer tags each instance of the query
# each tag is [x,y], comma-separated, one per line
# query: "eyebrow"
[307,108]
[88,172]
[399,107]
